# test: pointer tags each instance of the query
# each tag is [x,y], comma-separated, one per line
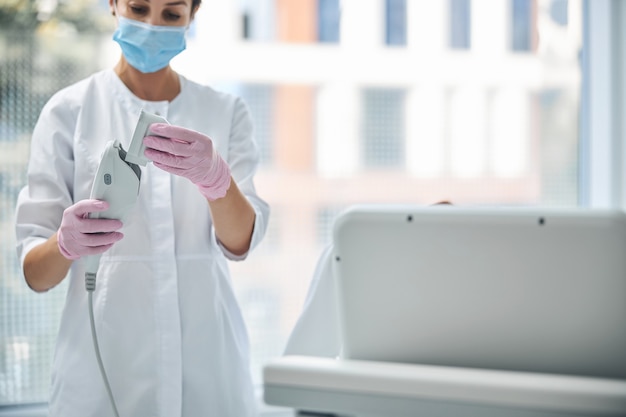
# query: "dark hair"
[195,4]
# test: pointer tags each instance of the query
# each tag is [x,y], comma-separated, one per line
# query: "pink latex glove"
[79,236]
[189,154]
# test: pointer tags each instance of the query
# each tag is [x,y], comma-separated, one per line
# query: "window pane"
[383,128]
[559,11]
[460,24]
[328,21]
[522,23]
[257,20]
[396,22]
[260,100]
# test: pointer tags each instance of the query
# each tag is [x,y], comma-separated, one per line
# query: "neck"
[163,85]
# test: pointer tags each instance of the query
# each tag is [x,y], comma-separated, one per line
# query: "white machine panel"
[512,289]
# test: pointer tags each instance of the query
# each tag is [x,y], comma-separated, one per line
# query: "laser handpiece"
[116,182]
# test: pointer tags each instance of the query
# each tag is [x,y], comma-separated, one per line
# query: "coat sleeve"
[317,331]
[243,160]
[50,177]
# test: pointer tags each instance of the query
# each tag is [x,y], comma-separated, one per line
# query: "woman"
[171,335]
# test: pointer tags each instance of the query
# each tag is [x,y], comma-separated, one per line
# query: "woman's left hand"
[189,154]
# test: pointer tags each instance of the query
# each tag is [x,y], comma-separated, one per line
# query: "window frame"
[602,174]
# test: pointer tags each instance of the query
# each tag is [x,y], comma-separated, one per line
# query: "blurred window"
[559,11]
[257,20]
[328,21]
[395,12]
[522,25]
[460,24]
[260,101]
[382,129]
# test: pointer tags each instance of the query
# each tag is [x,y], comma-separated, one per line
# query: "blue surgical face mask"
[146,47]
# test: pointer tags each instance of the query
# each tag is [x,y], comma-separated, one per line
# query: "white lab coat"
[171,334]
[317,331]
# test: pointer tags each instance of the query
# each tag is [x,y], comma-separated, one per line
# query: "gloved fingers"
[196,142]
[80,235]
[84,207]
[189,154]
[87,225]
[170,160]
[76,244]
[177,132]
[96,250]
[181,171]
[175,147]
[95,240]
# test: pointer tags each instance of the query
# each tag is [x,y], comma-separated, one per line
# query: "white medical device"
[135,149]
[118,177]
[116,182]
[454,311]
[518,289]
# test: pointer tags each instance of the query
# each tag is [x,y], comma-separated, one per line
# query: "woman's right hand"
[79,235]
